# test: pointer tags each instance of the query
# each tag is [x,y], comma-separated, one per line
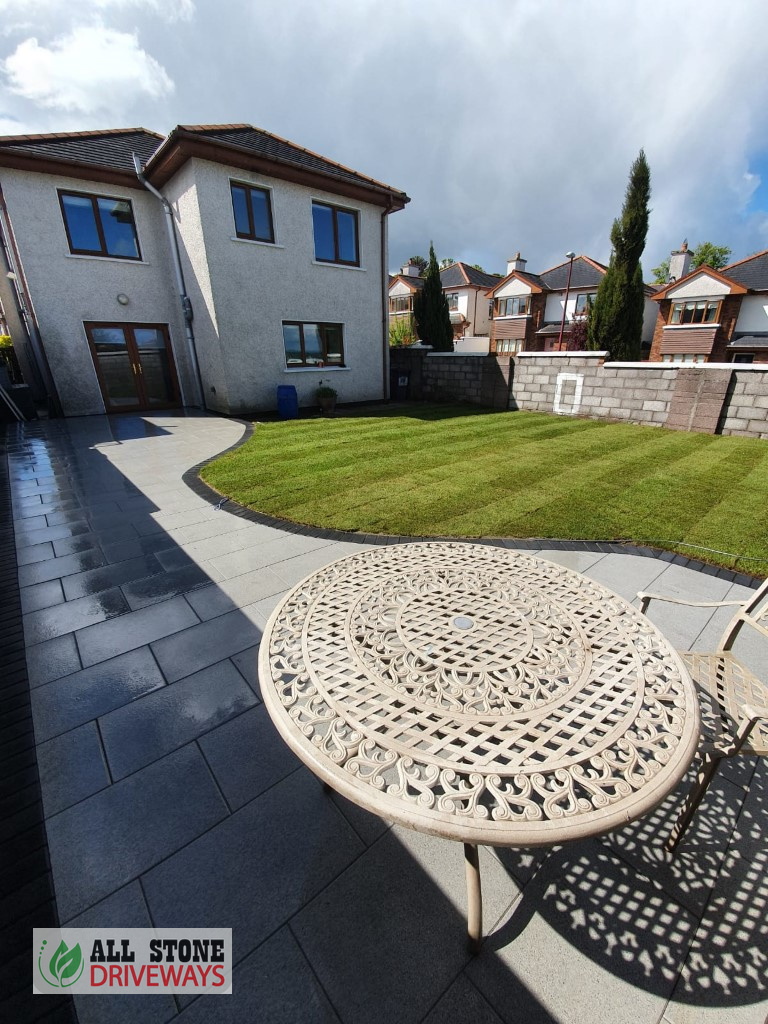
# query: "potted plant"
[326,398]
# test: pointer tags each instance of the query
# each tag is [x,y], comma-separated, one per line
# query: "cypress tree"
[616,323]
[430,309]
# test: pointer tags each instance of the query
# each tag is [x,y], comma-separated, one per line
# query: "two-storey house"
[464,287]
[207,267]
[528,308]
[713,316]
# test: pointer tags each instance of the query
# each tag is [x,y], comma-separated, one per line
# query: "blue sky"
[512,124]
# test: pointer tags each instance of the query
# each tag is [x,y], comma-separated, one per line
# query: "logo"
[64,967]
[132,961]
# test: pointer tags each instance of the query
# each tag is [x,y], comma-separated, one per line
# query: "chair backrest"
[754,613]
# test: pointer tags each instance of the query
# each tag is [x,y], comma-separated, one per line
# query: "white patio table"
[479,694]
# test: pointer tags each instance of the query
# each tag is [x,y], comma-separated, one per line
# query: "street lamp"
[571,256]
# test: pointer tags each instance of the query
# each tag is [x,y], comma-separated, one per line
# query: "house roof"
[749,341]
[461,275]
[751,272]
[97,155]
[243,145]
[415,283]
[587,273]
[533,280]
[719,275]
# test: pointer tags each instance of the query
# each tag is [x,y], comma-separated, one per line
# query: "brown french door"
[134,364]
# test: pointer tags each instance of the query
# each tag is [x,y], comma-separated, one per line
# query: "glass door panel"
[115,367]
[155,367]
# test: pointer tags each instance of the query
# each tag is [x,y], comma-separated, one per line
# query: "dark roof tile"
[586,274]
[751,272]
[452,277]
[272,147]
[111,150]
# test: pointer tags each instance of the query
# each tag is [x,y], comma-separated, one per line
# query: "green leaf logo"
[65,966]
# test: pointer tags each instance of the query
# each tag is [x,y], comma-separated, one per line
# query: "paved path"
[170,800]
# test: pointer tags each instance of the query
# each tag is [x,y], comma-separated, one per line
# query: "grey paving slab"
[689,874]
[626,574]
[135,629]
[41,595]
[55,568]
[247,664]
[219,598]
[71,768]
[102,843]
[106,576]
[41,535]
[161,586]
[52,659]
[174,558]
[260,611]
[262,554]
[279,850]
[293,570]
[224,543]
[274,985]
[397,913]
[122,550]
[65,703]
[66,618]
[581,561]
[34,553]
[462,1004]
[591,939]
[220,525]
[204,644]
[247,756]
[70,518]
[73,545]
[161,721]
[33,524]
[123,909]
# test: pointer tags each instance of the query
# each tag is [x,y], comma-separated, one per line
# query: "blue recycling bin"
[287,402]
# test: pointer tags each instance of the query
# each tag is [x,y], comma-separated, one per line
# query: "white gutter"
[186,305]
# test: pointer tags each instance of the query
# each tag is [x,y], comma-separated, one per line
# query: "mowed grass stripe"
[452,470]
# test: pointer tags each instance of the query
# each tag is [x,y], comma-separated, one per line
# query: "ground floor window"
[684,357]
[313,344]
[508,346]
[744,357]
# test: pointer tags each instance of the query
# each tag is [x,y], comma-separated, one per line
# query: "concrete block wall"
[727,398]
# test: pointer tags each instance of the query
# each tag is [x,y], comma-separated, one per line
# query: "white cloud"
[168,10]
[92,69]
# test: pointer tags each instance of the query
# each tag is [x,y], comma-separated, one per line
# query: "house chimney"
[410,269]
[679,262]
[516,263]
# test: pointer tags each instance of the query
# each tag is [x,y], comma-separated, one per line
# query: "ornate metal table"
[478,694]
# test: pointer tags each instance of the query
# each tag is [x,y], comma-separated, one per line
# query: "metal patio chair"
[734,702]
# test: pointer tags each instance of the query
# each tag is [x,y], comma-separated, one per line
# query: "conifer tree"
[430,309]
[616,323]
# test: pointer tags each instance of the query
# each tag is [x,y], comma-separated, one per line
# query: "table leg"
[474,898]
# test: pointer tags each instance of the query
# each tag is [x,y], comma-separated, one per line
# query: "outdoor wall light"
[122,298]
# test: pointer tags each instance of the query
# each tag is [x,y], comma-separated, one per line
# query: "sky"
[511,124]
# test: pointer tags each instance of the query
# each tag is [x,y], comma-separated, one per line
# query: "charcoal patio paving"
[170,800]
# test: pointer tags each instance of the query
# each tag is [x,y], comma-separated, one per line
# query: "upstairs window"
[699,311]
[518,305]
[336,234]
[99,225]
[401,304]
[453,300]
[584,303]
[253,213]
[314,345]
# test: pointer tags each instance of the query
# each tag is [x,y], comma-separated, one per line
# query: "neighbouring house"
[465,288]
[528,308]
[205,267]
[402,288]
[713,316]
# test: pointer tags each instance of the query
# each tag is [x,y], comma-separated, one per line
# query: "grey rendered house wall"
[67,290]
[242,291]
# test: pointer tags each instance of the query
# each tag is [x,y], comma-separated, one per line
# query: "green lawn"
[454,471]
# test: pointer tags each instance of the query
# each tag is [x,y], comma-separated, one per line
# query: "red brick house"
[713,316]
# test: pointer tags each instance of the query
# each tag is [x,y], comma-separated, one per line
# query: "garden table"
[479,694]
